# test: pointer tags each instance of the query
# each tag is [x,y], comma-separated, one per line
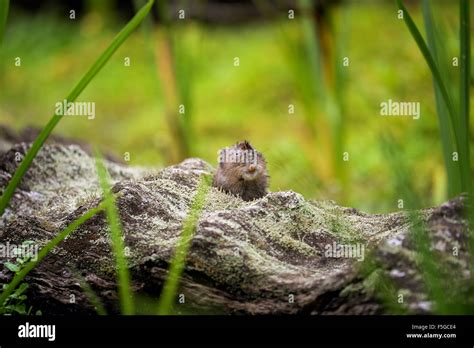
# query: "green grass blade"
[401,179]
[312,45]
[170,287]
[446,132]
[118,247]
[433,67]
[86,79]
[381,285]
[91,295]
[340,95]
[177,88]
[465,110]
[45,250]
[424,255]
[465,61]
[428,264]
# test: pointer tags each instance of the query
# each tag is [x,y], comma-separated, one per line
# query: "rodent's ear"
[244,145]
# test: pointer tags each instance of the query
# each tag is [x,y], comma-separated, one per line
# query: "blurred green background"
[192,62]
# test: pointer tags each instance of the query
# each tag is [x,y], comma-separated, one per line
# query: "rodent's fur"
[247,177]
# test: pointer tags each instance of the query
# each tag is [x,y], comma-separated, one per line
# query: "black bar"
[243,330]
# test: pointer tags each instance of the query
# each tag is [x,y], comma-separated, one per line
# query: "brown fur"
[247,179]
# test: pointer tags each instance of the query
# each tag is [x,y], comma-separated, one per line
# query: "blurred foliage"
[250,101]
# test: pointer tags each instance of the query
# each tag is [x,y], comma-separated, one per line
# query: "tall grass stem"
[118,246]
[177,263]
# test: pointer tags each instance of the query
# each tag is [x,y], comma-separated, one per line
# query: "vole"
[242,171]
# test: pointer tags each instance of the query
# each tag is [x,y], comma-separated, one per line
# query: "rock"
[9,137]
[268,256]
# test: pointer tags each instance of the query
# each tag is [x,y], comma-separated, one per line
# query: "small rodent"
[242,171]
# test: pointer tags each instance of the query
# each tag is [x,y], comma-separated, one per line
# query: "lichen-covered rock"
[278,254]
